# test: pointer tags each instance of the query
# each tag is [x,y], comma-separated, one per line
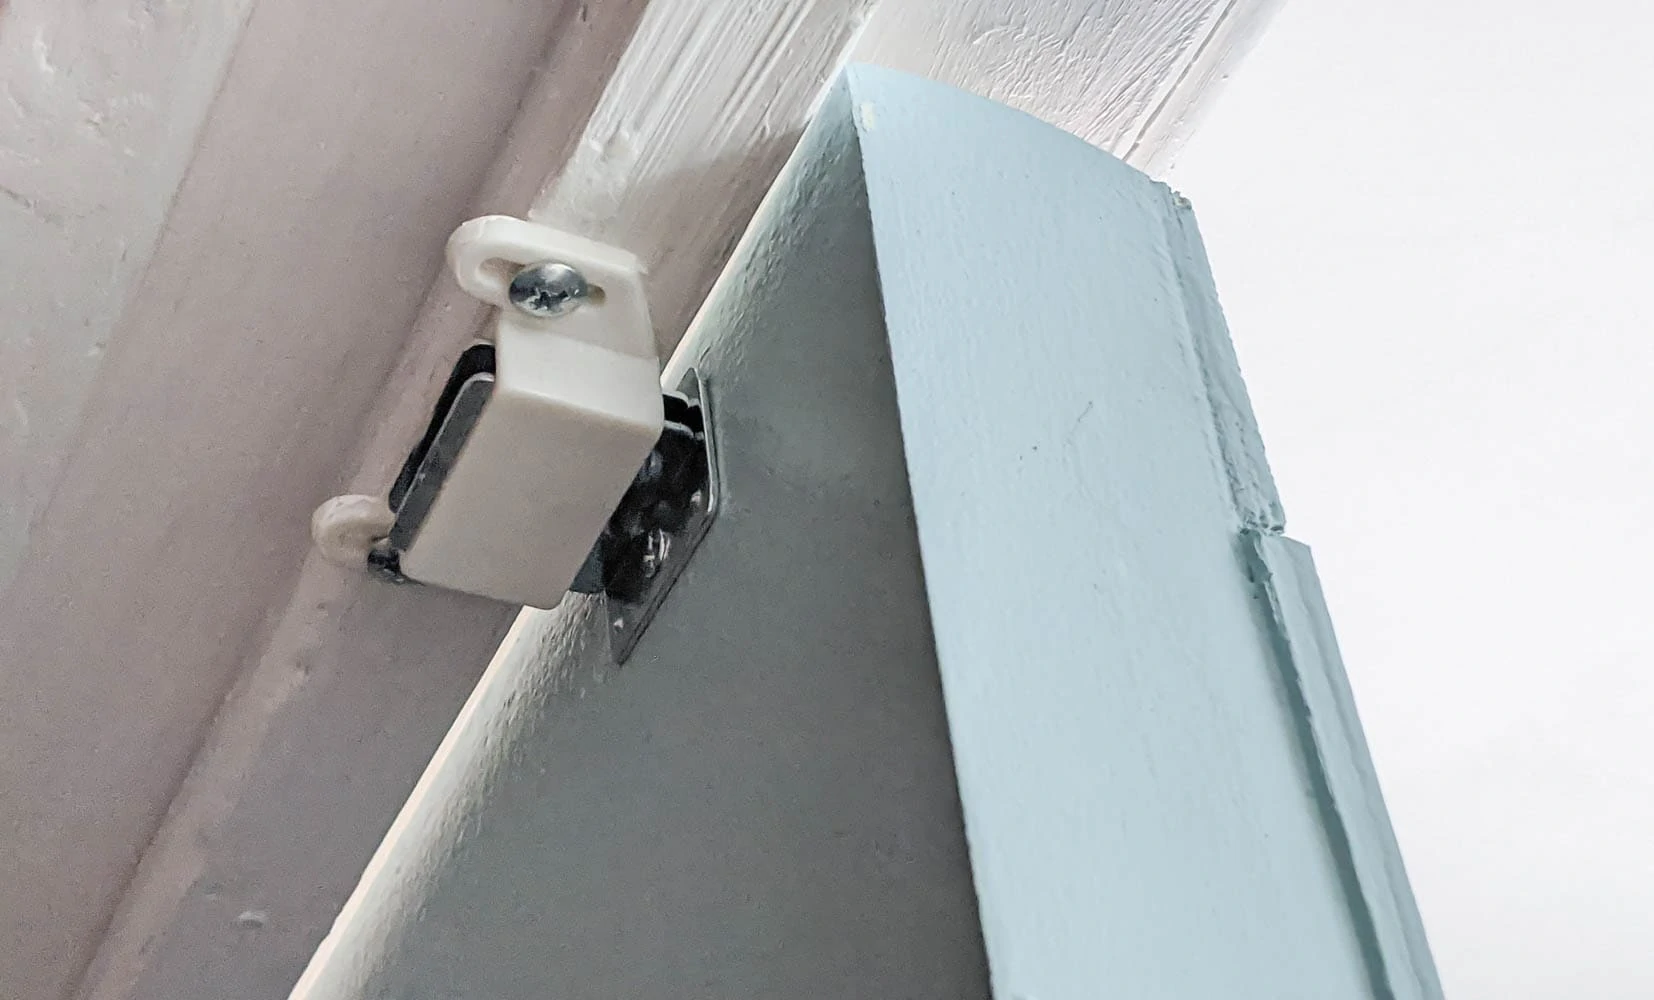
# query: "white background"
[1432,225]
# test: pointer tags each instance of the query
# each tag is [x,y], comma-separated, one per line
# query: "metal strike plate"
[662,520]
[648,539]
[521,474]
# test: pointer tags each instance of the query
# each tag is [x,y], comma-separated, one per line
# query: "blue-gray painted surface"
[972,681]
[1382,901]
[1140,814]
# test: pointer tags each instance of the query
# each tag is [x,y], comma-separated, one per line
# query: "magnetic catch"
[552,457]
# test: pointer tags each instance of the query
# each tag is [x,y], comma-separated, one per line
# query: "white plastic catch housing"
[575,410]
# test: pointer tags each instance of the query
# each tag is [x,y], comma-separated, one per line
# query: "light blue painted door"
[995,674]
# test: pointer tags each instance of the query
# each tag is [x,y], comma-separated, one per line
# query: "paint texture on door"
[995,673]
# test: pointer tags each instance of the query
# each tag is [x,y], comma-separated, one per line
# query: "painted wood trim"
[1231,30]
[702,111]
[1126,77]
[687,139]
[1346,785]
[1131,785]
[1239,443]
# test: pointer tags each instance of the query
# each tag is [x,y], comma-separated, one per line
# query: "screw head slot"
[548,288]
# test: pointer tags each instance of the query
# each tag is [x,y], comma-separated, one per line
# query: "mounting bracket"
[552,460]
